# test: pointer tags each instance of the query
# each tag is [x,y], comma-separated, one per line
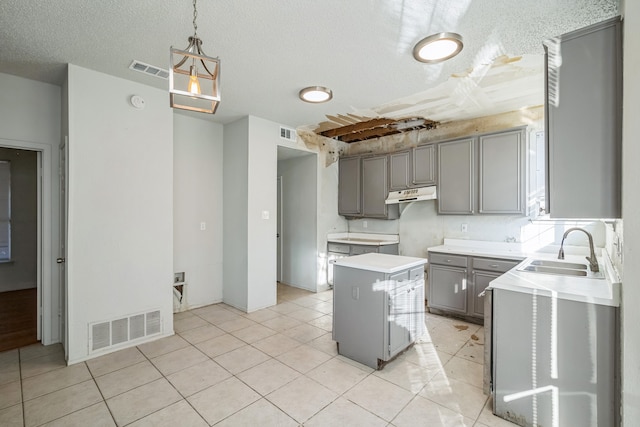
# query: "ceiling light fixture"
[194,78]
[438,47]
[315,94]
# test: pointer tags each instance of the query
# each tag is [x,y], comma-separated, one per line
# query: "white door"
[62,252]
[279,231]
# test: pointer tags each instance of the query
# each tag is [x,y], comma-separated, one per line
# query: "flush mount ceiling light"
[194,78]
[438,47]
[315,94]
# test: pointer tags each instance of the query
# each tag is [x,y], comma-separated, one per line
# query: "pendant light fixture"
[194,78]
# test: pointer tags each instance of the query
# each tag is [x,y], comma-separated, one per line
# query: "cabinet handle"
[494,265]
[449,260]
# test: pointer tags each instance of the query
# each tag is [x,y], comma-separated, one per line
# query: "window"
[5,210]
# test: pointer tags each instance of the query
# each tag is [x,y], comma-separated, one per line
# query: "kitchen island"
[378,306]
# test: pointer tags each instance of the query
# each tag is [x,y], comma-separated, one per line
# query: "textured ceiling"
[270,49]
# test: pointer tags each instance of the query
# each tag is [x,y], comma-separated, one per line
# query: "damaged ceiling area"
[503,85]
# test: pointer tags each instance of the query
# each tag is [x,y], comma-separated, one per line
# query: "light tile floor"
[273,367]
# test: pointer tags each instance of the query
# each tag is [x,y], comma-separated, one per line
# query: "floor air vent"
[149,69]
[288,134]
[107,334]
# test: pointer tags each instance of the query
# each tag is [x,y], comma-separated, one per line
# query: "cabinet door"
[501,173]
[583,128]
[448,288]
[455,177]
[349,174]
[399,171]
[480,281]
[424,170]
[375,187]
[399,314]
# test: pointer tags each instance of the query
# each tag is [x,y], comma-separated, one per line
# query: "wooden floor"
[18,319]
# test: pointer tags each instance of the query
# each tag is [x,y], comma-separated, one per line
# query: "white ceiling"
[270,49]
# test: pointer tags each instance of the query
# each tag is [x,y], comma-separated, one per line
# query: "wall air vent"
[103,335]
[149,69]
[288,134]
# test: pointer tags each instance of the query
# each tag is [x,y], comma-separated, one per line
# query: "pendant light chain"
[195,15]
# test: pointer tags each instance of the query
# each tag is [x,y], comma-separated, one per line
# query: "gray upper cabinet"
[501,173]
[412,168]
[375,189]
[583,127]
[349,175]
[363,186]
[424,169]
[455,176]
[399,170]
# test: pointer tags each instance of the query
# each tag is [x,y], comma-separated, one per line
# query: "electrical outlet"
[364,224]
[203,225]
[464,228]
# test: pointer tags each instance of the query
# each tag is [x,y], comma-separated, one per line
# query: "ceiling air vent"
[149,69]
[288,134]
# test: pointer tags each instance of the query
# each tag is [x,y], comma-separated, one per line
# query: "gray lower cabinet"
[337,250]
[377,315]
[584,122]
[456,282]
[557,360]
[485,174]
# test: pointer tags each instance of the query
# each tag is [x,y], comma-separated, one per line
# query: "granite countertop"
[369,239]
[382,263]
[604,291]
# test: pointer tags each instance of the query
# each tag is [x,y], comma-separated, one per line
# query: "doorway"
[19,244]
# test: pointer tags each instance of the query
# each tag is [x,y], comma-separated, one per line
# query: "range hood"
[411,195]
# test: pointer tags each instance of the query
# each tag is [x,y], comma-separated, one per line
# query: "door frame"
[47,284]
[279,222]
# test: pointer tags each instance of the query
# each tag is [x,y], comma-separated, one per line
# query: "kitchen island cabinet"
[378,306]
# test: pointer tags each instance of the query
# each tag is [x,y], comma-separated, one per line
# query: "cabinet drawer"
[338,247]
[401,276]
[444,259]
[358,250]
[493,264]
[416,273]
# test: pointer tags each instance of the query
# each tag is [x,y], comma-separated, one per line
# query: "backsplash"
[420,227]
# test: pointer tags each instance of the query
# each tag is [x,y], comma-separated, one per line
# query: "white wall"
[299,221]
[197,198]
[30,117]
[235,202]
[120,247]
[630,209]
[262,192]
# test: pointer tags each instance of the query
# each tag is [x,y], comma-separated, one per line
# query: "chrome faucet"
[593,262]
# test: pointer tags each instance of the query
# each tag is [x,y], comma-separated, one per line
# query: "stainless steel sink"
[558,264]
[555,270]
[560,268]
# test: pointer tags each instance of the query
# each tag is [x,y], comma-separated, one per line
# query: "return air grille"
[149,69]
[288,134]
[103,335]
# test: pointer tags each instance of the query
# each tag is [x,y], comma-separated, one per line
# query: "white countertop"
[596,291]
[368,239]
[382,263]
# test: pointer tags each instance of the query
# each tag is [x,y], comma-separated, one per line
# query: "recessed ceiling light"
[438,47]
[315,94]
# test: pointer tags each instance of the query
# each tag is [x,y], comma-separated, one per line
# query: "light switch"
[265,214]
[203,225]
